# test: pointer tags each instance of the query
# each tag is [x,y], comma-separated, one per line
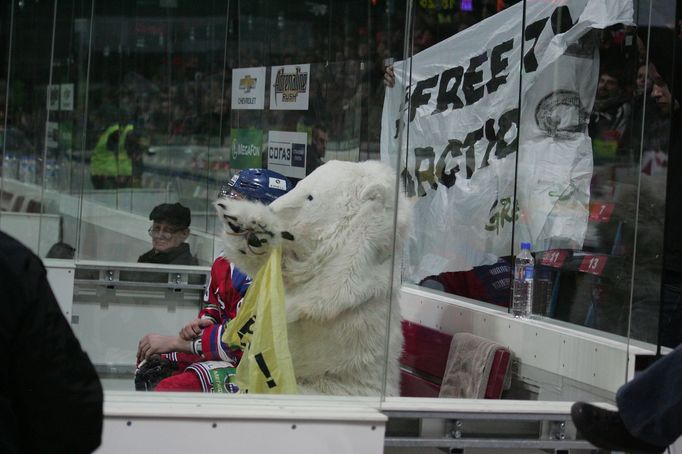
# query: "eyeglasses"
[162,234]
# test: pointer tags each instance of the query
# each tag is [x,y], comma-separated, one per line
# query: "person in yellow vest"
[110,164]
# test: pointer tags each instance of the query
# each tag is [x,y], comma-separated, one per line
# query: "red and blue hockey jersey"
[222,299]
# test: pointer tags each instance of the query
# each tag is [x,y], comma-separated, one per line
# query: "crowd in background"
[165,111]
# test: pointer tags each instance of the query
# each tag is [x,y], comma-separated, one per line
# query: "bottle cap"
[525,245]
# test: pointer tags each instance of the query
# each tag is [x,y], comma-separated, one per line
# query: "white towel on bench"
[468,368]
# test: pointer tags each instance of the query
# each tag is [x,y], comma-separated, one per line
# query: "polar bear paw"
[250,227]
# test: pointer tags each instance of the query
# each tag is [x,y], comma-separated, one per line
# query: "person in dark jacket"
[169,232]
[50,395]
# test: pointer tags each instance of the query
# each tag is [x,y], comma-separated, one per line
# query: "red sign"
[593,264]
[554,258]
[600,212]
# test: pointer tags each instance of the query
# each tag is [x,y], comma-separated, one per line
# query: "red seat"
[5,200]
[425,355]
[33,206]
[18,203]
[498,373]
[412,385]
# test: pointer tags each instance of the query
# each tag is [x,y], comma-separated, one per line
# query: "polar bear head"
[343,212]
[341,218]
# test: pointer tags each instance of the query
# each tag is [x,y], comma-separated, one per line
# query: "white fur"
[336,273]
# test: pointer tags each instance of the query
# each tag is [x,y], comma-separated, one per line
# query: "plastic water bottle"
[522,292]
[27,169]
[51,174]
[10,166]
[542,292]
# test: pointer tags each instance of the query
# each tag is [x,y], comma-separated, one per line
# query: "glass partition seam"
[268,50]
[220,117]
[221,120]
[85,125]
[391,277]
[169,78]
[518,147]
[408,36]
[47,121]
[667,214]
[639,192]
[239,35]
[408,49]
[368,83]
[326,84]
[329,36]
[7,83]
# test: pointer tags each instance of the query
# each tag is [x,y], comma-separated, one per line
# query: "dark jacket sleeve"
[49,387]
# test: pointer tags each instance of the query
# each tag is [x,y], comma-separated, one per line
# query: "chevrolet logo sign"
[247,84]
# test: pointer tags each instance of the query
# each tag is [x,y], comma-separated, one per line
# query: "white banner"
[454,115]
[287,153]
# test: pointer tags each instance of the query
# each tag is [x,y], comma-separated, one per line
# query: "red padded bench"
[425,355]
[6,200]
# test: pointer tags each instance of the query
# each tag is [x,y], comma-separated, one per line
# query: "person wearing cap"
[169,231]
[197,359]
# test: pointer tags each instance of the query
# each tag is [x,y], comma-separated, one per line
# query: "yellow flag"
[260,330]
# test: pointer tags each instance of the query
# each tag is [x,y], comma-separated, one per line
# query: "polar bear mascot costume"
[336,228]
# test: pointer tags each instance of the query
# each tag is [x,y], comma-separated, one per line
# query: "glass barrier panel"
[459,130]
[551,123]
[569,162]
[28,105]
[61,177]
[301,96]
[655,315]
[154,122]
[522,122]
[592,179]
[140,114]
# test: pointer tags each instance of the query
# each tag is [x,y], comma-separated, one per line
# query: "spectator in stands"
[50,395]
[61,250]
[611,110]
[169,232]
[670,331]
[643,81]
[110,163]
[654,119]
[654,314]
[317,149]
[489,283]
[661,93]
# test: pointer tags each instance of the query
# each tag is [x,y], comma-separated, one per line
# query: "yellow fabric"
[260,329]
[105,162]
[125,165]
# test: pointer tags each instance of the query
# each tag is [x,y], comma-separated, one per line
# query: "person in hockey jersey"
[197,359]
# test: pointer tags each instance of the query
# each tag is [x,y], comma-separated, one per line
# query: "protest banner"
[467,120]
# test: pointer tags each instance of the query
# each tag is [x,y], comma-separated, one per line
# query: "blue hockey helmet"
[261,185]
